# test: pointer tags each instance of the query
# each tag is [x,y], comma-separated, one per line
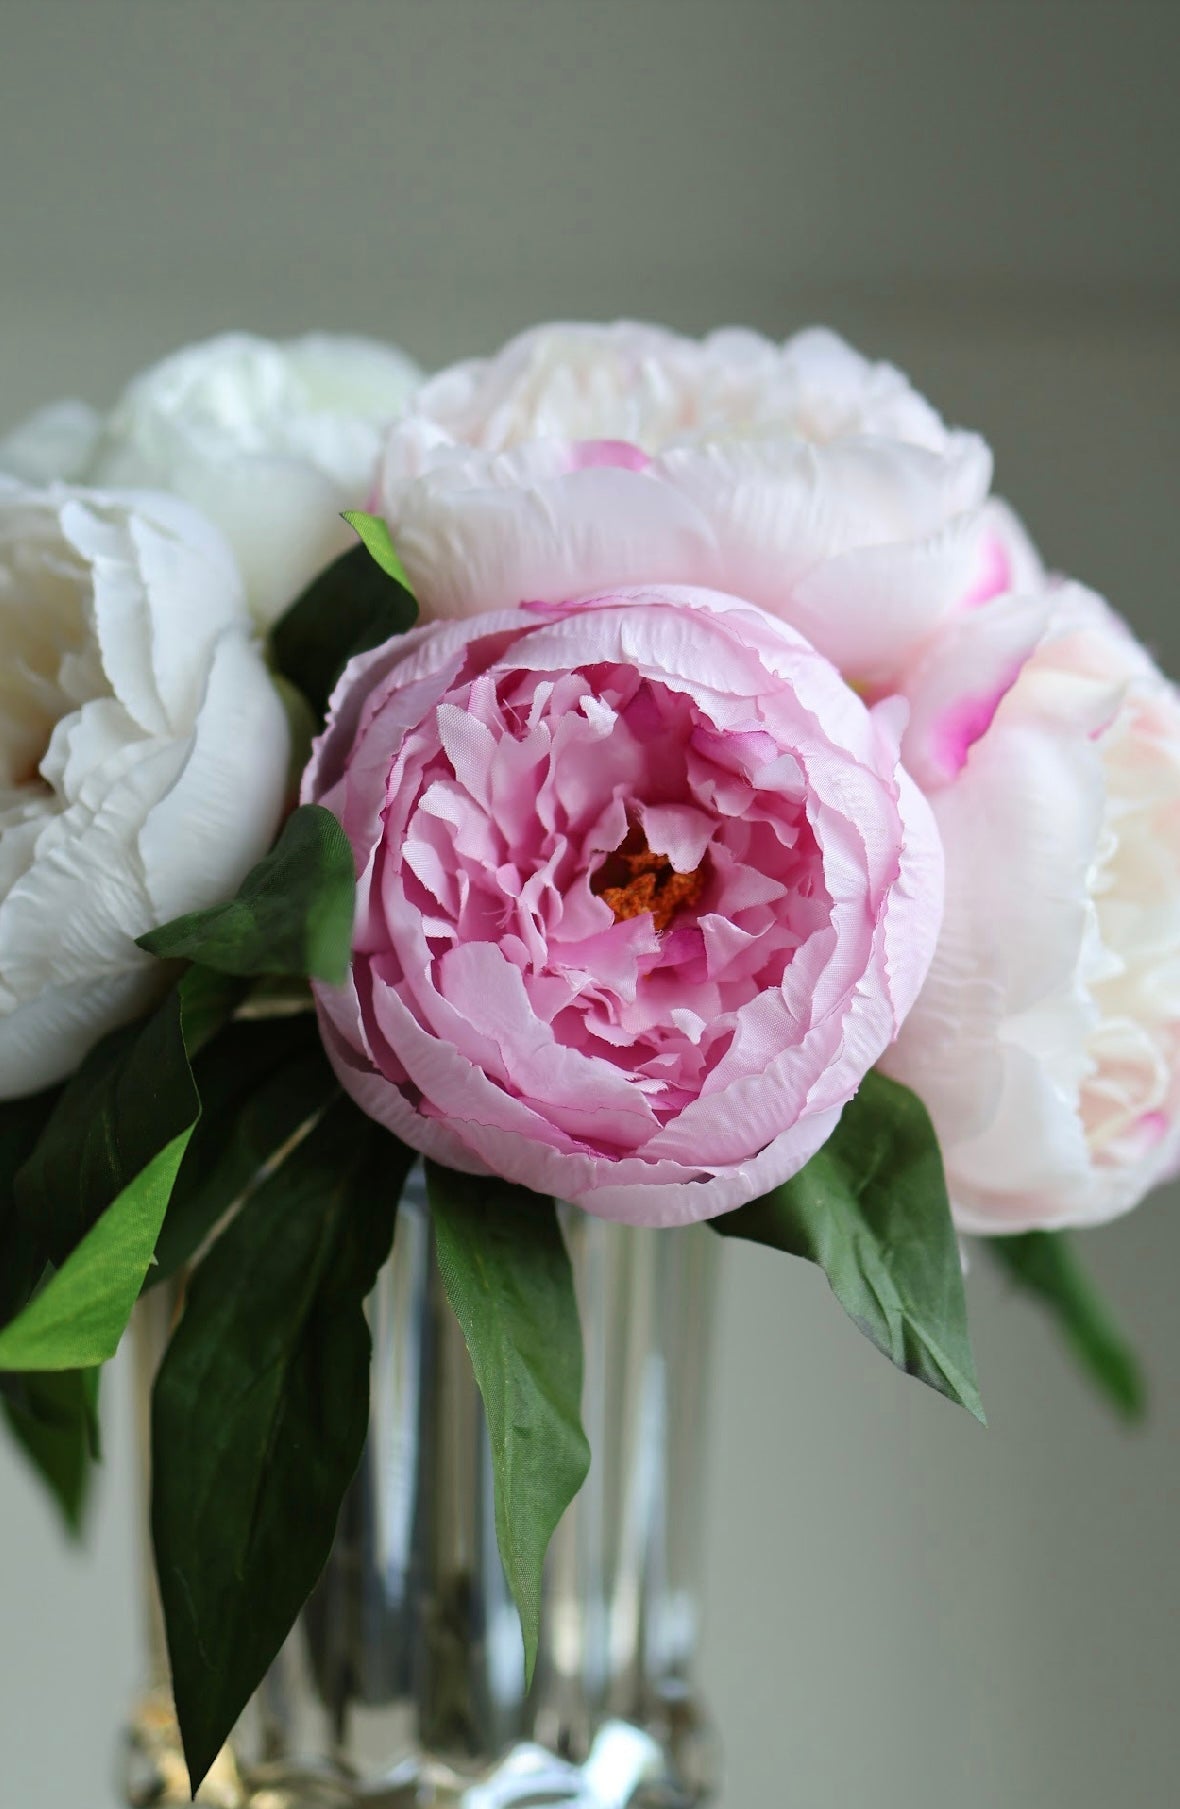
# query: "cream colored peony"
[1046,1043]
[143,756]
[801,476]
[627,380]
[269,440]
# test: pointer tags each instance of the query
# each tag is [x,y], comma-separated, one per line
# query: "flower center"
[634,879]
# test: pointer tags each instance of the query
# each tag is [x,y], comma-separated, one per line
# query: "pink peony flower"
[643,894]
[1046,1043]
[802,477]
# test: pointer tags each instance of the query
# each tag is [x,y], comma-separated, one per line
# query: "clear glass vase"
[402,1682]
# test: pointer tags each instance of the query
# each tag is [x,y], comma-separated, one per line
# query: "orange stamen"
[633,880]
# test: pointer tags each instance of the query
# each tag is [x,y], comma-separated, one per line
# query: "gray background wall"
[905,1610]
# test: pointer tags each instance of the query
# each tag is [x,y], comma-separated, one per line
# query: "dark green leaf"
[871,1209]
[209,1001]
[133,1092]
[21,1236]
[89,1201]
[507,1275]
[1046,1265]
[260,1082]
[292,914]
[103,1131]
[350,607]
[54,1420]
[260,1412]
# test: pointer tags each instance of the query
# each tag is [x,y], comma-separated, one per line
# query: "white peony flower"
[626,380]
[1046,1043]
[143,756]
[801,476]
[269,440]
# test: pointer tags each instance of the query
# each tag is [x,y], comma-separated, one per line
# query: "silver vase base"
[625,1768]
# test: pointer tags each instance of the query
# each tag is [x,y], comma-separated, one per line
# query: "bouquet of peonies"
[648,774]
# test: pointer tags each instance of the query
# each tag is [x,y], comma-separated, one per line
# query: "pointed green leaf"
[90,1199]
[260,1082]
[378,543]
[353,605]
[508,1278]
[871,1209]
[133,1094]
[208,1002]
[292,914]
[54,1420]
[260,1412]
[1045,1264]
[81,1313]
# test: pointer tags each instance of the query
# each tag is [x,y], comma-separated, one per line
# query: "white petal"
[281,517]
[271,441]
[484,534]
[871,609]
[44,1040]
[781,506]
[957,688]
[220,814]
[164,589]
[76,911]
[348,374]
[55,443]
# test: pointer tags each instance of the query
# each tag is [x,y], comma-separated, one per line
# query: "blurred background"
[904,1610]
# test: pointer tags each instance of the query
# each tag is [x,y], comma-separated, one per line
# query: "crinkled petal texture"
[270,440]
[801,476]
[643,893]
[143,757]
[628,380]
[1046,1042]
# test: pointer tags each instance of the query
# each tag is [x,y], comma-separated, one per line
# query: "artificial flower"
[802,477]
[643,894]
[1046,1042]
[269,439]
[143,756]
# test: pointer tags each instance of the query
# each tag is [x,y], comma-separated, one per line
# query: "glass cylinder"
[402,1682]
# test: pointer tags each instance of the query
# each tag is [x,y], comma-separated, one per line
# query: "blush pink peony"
[1046,1043]
[643,894]
[800,476]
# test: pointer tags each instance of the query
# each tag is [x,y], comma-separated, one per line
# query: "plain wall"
[904,1610]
